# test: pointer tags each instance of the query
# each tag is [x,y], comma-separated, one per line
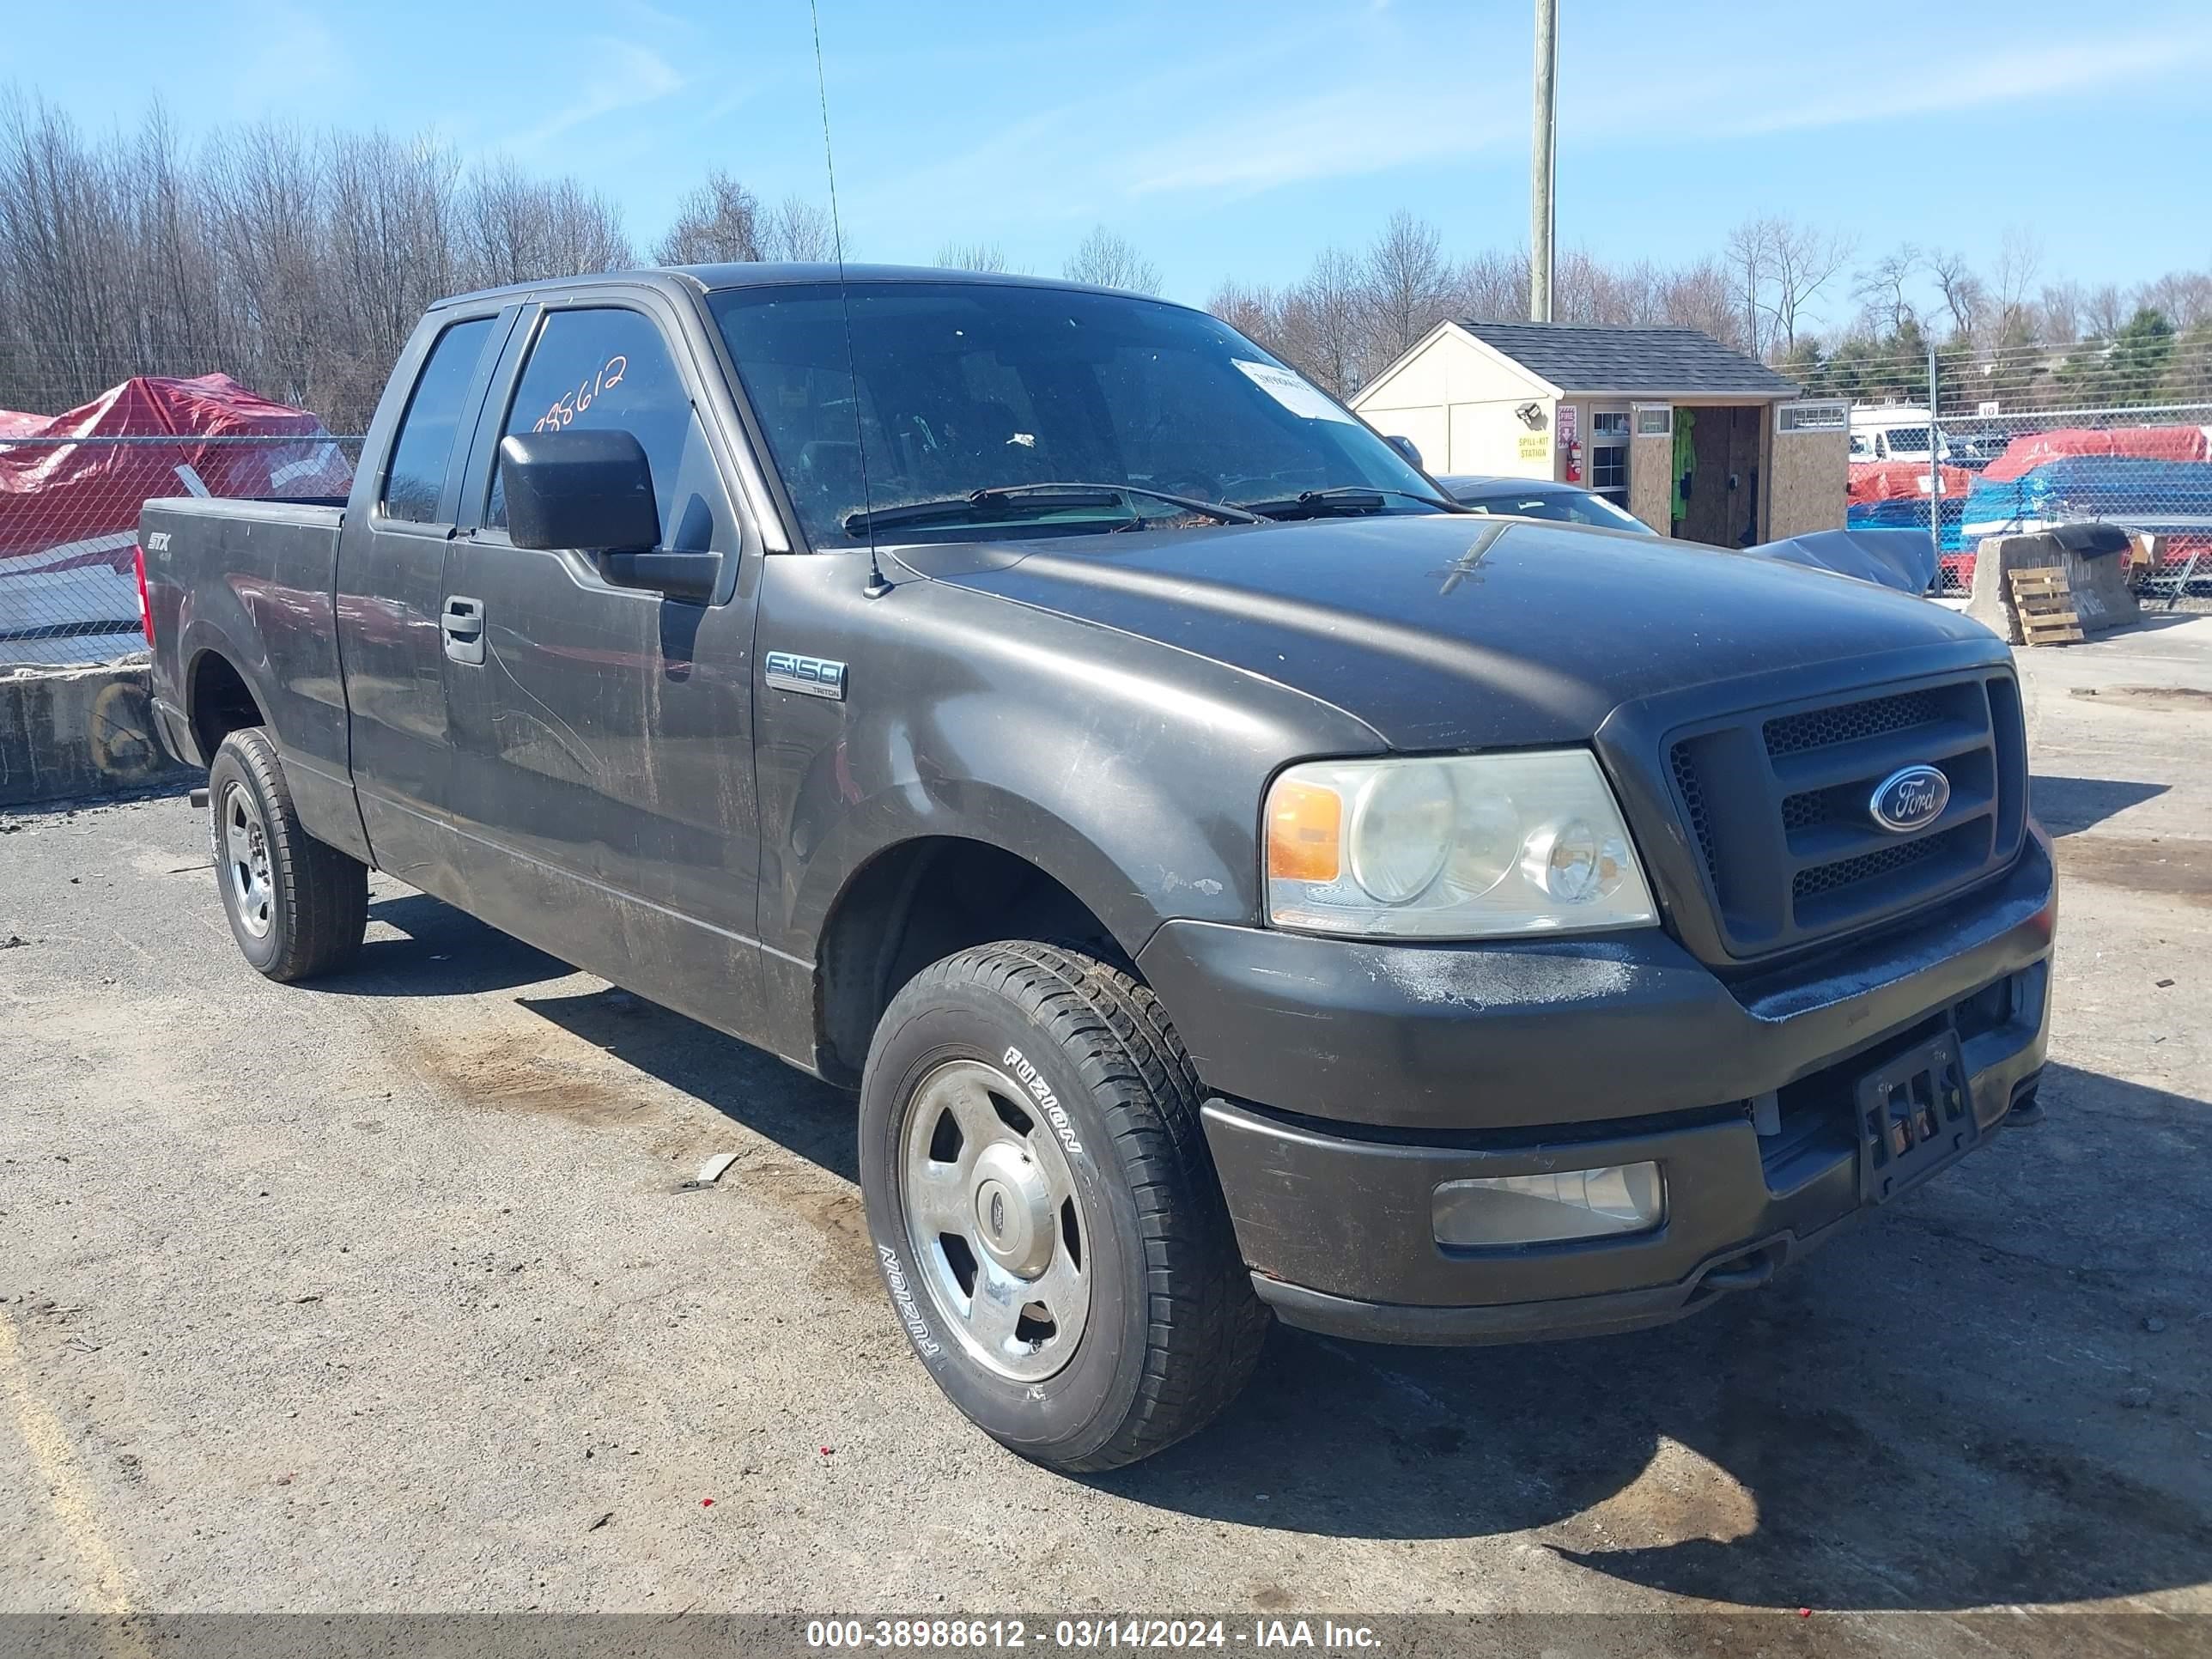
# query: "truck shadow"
[442,952]
[1993,1393]
[2066,806]
[750,1086]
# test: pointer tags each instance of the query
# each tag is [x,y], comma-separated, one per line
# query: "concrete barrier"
[67,732]
[2101,597]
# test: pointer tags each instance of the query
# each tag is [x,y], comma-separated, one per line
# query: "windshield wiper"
[953,509]
[1344,498]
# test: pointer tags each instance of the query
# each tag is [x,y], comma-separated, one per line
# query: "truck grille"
[1777,802]
[1817,728]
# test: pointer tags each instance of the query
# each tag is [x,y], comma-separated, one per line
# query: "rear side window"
[605,368]
[417,477]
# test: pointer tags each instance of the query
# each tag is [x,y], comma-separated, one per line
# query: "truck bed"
[251,582]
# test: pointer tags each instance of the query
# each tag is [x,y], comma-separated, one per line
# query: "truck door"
[391,584]
[603,733]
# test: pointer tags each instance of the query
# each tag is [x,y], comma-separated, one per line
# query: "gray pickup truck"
[1239,882]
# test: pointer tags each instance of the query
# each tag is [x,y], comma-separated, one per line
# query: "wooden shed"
[1694,437]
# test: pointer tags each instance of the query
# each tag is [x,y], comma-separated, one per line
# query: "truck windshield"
[973,390]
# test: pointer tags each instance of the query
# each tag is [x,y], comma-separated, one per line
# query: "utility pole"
[1543,172]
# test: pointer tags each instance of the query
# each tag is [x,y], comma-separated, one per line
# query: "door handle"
[462,622]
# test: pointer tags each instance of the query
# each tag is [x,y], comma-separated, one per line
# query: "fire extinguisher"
[1574,460]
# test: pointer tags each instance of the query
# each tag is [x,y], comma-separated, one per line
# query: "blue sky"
[1238,139]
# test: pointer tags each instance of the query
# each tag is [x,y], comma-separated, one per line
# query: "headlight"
[1472,846]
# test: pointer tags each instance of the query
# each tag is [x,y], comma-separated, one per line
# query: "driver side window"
[606,368]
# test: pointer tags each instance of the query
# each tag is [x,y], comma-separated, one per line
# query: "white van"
[1892,432]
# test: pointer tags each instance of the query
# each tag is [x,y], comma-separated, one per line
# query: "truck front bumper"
[1352,1079]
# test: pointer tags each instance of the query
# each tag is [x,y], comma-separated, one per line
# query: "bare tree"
[1408,286]
[1699,296]
[2183,298]
[391,249]
[2058,312]
[1802,260]
[514,228]
[2105,311]
[297,263]
[800,230]
[972,256]
[2020,260]
[586,232]
[171,266]
[1885,286]
[1254,313]
[502,226]
[1325,327]
[718,222]
[57,231]
[1750,276]
[264,194]
[1965,297]
[1492,287]
[1111,260]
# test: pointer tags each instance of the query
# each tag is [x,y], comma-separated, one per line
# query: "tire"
[297,906]
[1143,1325]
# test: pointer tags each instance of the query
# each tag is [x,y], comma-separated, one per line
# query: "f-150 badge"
[813,676]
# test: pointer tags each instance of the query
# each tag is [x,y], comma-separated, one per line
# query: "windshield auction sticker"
[1293,394]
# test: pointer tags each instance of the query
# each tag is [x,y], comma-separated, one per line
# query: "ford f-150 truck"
[1239,882]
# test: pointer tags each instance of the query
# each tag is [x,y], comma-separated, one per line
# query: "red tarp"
[1895,481]
[69,511]
[2146,443]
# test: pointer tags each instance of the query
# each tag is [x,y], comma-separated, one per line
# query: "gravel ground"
[391,1294]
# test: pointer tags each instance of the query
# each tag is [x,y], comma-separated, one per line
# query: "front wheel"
[1044,1211]
[297,906]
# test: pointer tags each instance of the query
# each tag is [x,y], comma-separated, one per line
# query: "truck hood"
[1454,631]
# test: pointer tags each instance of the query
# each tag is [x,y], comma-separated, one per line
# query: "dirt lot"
[391,1294]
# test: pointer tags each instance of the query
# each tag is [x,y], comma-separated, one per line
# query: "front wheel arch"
[918,901]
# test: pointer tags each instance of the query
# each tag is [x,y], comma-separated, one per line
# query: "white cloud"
[1345,133]
[622,76]
[1876,82]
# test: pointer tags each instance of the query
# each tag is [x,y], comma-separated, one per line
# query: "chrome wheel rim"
[245,859]
[993,1219]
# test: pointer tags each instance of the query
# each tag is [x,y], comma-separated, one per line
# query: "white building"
[1599,406]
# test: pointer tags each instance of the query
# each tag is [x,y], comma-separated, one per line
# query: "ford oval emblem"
[1909,798]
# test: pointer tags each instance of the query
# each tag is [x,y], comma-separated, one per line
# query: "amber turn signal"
[1305,826]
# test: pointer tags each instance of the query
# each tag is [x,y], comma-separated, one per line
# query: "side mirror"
[589,490]
[1406,446]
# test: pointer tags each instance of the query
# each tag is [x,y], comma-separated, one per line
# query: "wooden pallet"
[2044,599]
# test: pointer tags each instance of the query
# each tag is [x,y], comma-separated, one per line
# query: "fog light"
[1543,1209]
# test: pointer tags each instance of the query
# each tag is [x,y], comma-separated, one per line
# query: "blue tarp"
[1907,513]
[2140,495]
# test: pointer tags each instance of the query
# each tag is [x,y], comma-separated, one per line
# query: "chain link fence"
[2146,470]
[68,519]
[2023,438]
